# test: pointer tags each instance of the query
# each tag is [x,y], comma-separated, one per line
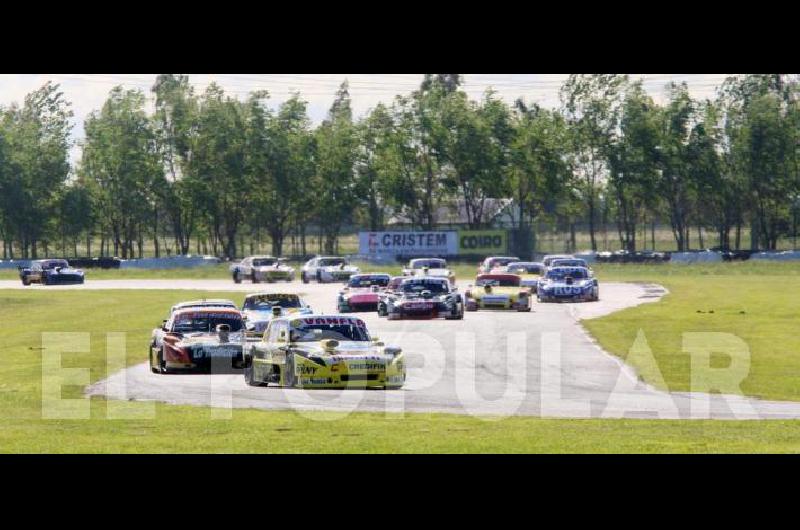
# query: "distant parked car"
[50,272]
[492,262]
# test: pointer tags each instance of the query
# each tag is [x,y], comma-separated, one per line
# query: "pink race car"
[362,292]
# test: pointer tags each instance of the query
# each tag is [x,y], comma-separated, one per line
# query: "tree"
[174,123]
[335,183]
[591,104]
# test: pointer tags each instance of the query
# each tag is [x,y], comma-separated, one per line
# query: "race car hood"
[337,268]
[204,340]
[547,284]
[355,355]
[497,293]
[361,295]
[271,268]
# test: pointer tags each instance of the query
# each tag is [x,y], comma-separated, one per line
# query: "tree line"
[211,169]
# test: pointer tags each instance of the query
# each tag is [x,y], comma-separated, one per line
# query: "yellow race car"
[497,291]
[322,351]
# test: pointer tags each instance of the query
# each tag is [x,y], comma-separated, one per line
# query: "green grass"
[755,301]
[26,314]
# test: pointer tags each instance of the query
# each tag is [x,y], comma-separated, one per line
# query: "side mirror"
[276,312]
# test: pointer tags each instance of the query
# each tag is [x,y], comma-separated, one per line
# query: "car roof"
[268,294]
[421,278]
[569,268]
[370,275]
[207,302]
[209,309]
[296,316]
[527,263]
[262,256]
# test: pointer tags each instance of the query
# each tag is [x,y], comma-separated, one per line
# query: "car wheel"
[153,367]
[162,363]
[381,310]
[304,277]
[319,276]
[289,378]
[25,280]
[250,376]
[237,278]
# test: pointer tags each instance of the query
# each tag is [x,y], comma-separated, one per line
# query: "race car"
[423,297]
[157,335]
[262,269]
[322,351]
[327,269]
[529,272]
[194,337]
[548,259]
[259,309]
[498,291]
[50,272]
[571,262]
[493,262]
[568,284]
[362,292]
[430,267]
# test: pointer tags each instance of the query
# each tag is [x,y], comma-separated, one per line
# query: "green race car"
[322,351]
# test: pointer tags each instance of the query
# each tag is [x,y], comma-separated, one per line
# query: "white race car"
[157,336]
[262,269]
[327,269]
[434,267]
[260,308]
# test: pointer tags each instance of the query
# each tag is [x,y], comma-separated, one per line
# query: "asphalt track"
[491,364]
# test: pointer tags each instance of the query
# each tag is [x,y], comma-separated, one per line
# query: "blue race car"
[50,272]
[568,284]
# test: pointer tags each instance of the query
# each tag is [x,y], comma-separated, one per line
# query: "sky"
[87,92]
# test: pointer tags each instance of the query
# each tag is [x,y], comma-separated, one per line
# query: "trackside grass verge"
[755,301]
[26,314]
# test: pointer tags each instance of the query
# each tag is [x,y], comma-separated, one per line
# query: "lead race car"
[568,284]
[322,351]
[259,309]
[51,272]
[436,267]
[262,269]
[195,337]
[498,291]
[328,269]
[362,292]
[423,297]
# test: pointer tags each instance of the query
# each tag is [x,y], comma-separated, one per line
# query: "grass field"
[28,313]
[756,301]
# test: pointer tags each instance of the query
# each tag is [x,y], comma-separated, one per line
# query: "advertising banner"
[443,243]
[488,242]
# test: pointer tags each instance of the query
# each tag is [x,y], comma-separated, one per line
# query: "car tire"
[303,277]
[319,276]
[289,378]
[237,278]
[249,376]
[25,281]
[153,368]
[381,310]
[162,364]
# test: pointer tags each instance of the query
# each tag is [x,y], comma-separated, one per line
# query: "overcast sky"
[87,92]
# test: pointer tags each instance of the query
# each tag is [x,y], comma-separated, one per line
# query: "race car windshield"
[501,262]
[368,282]
[418,287]
[55,264]
[525,268]
[331,262]
[430,263]
[498,282]
[560,274]
[568,263]
[205,324]
[267,303]
[317,332]
[263,262]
